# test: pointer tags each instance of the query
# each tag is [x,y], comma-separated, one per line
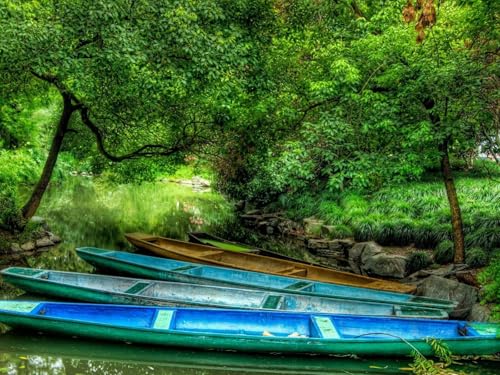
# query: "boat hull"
[220,330]
[172,270]
[184,251]
[120,290]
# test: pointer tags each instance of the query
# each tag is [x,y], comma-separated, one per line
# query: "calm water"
[84,212]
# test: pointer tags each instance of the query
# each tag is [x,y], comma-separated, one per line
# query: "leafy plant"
[418,260]
[476,257]
[10,215]
[424,366]
[490,279]
[444,252]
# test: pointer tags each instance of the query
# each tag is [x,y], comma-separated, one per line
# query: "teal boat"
[121,290]
[252,331]
[172,270]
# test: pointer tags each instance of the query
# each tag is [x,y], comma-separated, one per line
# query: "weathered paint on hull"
[115,290]
[128,264]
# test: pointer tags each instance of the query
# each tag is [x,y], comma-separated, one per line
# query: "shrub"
[340,231]
[485,238]
[444,252]
[10,215]
[490,279]
[476,257]
[418,260]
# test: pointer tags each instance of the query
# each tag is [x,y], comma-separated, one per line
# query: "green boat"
[124,290]
[252,331]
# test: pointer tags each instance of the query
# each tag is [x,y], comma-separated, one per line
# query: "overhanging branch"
[146,150]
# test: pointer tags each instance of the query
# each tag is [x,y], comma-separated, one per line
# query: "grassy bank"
[413,213]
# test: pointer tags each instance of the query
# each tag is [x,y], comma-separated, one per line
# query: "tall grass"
[416,213]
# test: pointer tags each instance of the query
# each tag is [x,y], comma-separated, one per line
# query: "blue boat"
[122,290]
[252,331]
[174,270]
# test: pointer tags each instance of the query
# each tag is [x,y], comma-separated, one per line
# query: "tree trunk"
[36,197]
[451,192]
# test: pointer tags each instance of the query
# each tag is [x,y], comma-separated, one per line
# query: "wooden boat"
[121,290]
[252,331]
[173,270]
[185,251]
[203,238]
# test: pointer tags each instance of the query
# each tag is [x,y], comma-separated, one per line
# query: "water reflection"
[89,212]
[23,353]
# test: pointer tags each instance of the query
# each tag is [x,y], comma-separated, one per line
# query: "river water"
[88,213]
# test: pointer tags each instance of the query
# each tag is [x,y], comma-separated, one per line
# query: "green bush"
[490,279]
[340,231]
[486,238]
[418,260]
[444,252]
[476,257]
[10,215]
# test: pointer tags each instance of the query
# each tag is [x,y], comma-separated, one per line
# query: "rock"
[265,227]
[312,226]
[355,253]
[315,244]
[253,212]
[346,243]
[468,277]
[38,220]
[369,258]
[197,180]
[15,248]
[383,264]
[439,287]
[251,220]
[53,237]
[28,246]
[44,242]
[480,313]
[327,231]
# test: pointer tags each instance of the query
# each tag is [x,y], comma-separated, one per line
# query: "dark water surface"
[87,213]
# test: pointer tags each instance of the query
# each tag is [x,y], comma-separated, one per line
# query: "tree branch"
[146,150]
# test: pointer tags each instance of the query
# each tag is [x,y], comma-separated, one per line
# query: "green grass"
[413,213]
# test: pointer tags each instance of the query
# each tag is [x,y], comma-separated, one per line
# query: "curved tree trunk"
[31,206]
[456,214]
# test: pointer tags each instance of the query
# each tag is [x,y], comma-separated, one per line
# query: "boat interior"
[248,323]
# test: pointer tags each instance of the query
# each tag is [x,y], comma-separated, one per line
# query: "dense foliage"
[344,109]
